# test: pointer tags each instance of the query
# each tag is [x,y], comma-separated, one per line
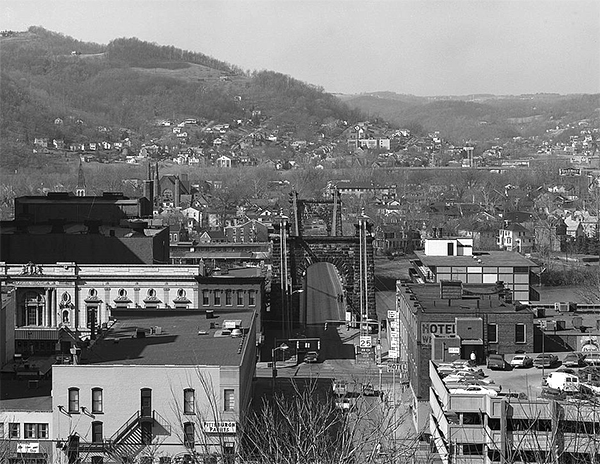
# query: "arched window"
[188,435]
[97,400]
[33,308]
[97,432]
[188,401]
[74,400]
[65,316]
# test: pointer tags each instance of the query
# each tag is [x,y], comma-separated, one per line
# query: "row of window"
[30,431]
[97,401]
[217,297]
[189,400]
[520,333]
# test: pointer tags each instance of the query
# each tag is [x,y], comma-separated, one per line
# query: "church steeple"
[80,189]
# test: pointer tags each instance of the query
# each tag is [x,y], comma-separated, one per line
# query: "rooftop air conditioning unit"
[561,307]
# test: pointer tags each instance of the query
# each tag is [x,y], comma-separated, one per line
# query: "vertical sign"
[394,334]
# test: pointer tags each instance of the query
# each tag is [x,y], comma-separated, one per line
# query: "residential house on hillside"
[550,233]
[223,161]
[515,237]
[250,231]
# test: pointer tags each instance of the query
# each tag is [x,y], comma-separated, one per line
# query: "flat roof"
[184,339]
[428,295]
[487,258]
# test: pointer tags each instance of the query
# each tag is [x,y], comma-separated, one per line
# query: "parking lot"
[522,380]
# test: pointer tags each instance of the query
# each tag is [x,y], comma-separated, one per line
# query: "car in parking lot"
[340,387]
[521,361]
[497,362]
[574,359]
[311,357]
[474,390]
[592,359]
[545,360]
[368,389]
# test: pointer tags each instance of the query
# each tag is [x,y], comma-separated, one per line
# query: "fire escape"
[129,441]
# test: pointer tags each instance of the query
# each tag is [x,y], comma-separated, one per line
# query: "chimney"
[149,190]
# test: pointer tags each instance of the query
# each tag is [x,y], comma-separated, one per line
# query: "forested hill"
[479,117]
[130,84]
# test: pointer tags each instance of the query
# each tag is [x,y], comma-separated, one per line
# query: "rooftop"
[483,259]
[181,339]
[475,297]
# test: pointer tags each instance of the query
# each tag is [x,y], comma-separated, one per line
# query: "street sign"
[366,341]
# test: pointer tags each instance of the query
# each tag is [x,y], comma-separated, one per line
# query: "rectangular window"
[14,430]
[96,400]
[188,435]
[205,294]
[520,334]
[2,431]
[188,401]
[43,431]
[252,298]
[217,297]
[229,399]
[74,400]
[493,333]
[228,298]
[472,449]
[240,298]
[29,431]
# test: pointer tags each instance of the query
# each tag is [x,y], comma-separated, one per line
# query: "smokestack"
[177,192]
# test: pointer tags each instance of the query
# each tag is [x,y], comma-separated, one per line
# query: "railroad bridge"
[311,234]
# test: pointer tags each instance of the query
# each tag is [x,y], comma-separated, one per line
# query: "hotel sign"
[220,427]
[436,328]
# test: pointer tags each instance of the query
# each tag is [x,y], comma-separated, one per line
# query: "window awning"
[472,341]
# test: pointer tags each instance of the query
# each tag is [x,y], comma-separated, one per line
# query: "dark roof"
[428,295]
[179,343]
[488,258]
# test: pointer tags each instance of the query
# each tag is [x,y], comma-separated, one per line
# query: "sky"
[418,47]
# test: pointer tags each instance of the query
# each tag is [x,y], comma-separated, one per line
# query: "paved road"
[323,288]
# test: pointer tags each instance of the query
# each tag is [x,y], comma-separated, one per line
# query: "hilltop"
[58,87]
[478,117]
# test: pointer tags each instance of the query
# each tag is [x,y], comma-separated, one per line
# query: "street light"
[282,347]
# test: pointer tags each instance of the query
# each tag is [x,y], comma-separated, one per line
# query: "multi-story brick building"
[451,320]
[174,387]
[62,302]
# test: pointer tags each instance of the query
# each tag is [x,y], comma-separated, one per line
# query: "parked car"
[522,361]
[574,359]
[340,387]
[463,376]
[592,359]
[344,404]
[311,357]
[545,360]
[497,362]
[368,390]
[474,390]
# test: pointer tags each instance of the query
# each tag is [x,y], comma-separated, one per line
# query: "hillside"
[127,85]
[478,117]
